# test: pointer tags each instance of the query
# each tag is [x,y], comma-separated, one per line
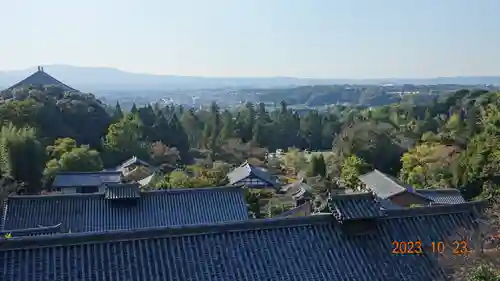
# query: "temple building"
[42,78]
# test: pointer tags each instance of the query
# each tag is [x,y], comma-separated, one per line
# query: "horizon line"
[248,77]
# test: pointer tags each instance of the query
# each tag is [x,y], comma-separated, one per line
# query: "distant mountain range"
[94,79]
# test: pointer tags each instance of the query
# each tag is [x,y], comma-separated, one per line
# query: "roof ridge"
[356,195]
[158,232]
[436,209]
[442,190]
[62,239]
[88,173]
[172,191]
[56,228]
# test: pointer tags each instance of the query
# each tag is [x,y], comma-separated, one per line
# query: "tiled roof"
[42,78]
[355,206]
[385,186]
[94,213]
[312,248]
[442,196]
[122,191]
[245,170]
[72,179]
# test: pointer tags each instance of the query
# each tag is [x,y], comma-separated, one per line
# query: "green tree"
[351,169]
[21,157]
[485,273]
[124,140]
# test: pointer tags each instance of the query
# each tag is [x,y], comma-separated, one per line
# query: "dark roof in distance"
[42,78]
[95,213]
[72,179]
[442,196]
[355,206]
[245,170]
[295,249]
[122,191]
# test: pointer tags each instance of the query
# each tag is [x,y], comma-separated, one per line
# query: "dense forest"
[447,143]
[450,142]
[364,95]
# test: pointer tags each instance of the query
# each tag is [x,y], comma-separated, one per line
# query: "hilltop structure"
[41,78]
[355,242]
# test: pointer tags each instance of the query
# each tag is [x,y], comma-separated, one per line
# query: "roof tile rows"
[95,213]
[383,185]
[122,191]
[442,196]
[312,248]
[355,206]
[72,179]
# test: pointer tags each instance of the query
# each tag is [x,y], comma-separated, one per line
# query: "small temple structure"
[41,78]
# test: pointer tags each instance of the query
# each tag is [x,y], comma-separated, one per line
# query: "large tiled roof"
[94,213]
[442,196]
[72,179]
[355,206]
[245,170]
[312,248]
[42,78]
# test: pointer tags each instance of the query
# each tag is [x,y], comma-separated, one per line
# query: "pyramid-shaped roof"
[40,77]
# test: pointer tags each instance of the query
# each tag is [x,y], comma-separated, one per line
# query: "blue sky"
[301,38]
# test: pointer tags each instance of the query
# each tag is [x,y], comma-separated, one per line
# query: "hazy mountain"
[100,78]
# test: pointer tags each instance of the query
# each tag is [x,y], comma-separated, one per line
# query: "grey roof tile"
[72,179]
[245,170]
[442,196]
[122,191]
[383,185]
[355,206]
[94,213]
[312,248]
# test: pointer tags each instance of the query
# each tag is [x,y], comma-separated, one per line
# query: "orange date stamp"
[457,247]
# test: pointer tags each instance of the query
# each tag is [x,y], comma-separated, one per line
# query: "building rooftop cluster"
[119,232]
[108,226]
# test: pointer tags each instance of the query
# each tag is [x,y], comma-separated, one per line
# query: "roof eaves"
[156,232]
[437,209]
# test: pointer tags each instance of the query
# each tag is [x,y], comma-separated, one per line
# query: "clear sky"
[301,38]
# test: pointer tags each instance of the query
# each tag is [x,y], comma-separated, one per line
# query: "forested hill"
[449,143]
[367,95]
